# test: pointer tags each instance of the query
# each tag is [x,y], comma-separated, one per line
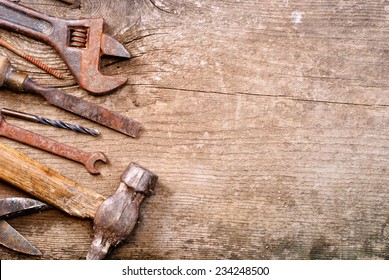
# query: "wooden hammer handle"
[47,185]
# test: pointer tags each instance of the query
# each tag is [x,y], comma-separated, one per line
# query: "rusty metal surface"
[85,109]
[16,206]
[79,42]
[88,159]
[20,82]
[117,216]
[13,240]
[15,79]
[12,207]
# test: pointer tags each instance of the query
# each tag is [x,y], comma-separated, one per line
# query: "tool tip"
[112,47]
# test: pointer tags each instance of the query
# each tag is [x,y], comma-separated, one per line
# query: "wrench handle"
[18,18]
[80,42]
[49,145]
[47,185]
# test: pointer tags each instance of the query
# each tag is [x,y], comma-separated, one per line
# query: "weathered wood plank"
[266,121]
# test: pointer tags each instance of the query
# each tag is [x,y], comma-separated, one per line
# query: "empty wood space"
[267,123]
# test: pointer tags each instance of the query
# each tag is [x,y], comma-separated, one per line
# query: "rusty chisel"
[21,82]
[12,207]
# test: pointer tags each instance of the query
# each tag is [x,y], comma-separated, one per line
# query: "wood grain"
[47,185]
[267,123]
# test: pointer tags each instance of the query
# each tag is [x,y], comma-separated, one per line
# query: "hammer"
[114,218]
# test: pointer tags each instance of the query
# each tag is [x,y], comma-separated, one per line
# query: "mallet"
[114,217]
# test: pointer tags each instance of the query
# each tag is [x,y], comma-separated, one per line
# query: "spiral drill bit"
[46,121]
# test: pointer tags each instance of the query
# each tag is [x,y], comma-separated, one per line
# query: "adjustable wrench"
[51,146]
[79,42]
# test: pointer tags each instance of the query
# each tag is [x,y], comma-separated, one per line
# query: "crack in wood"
[163,9]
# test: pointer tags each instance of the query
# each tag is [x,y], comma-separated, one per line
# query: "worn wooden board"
[266,121]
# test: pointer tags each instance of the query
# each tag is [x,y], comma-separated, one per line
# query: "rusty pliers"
[13,207]
[80,42]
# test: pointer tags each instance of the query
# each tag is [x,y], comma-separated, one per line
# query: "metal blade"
[85,109]
[16,206]
[112,47]
[13,240]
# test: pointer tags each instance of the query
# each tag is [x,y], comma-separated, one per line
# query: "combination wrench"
[88,159]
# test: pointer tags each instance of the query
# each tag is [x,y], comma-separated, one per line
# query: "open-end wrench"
[80,43]
[52,146]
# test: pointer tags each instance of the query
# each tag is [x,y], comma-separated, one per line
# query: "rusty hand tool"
[51,146]
[12,207]
[79,42]
[114,217]
[29,58]
[20,82]
[46,121]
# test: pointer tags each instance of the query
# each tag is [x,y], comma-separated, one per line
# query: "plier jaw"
[14,207]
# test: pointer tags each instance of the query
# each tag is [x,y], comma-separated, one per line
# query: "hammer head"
[118,214]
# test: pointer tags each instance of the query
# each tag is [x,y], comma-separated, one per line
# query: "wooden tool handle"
[47,185]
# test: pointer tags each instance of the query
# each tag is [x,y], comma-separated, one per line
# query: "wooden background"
[266,121]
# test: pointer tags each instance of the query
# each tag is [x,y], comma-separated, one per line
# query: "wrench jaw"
[96,83]
[109,46]
[82,50]
[90,163]
[80,43]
